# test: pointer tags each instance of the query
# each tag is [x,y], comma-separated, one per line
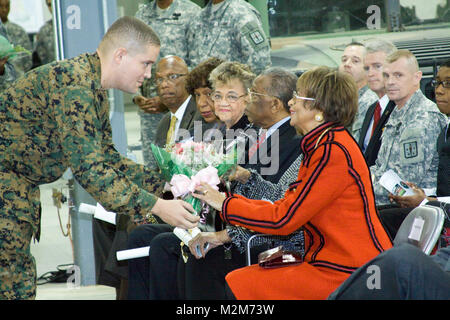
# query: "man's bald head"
[172,62]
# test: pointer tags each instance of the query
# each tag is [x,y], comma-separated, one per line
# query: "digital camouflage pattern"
[10,73]
[57,117]
[45,43]
[18,36]
[17,265]
[171,26]
[234,32]
[408,145]
[366,98]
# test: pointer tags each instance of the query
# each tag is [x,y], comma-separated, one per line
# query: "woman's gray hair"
[230,70]
[283,84]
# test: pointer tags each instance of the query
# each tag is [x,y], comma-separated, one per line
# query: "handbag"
[278,257]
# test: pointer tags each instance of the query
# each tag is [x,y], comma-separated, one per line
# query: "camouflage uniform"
[18,36]
[365,99]
[53,118]
[234,32]
[10,73]
[408,145]
[45,43]
[171,27]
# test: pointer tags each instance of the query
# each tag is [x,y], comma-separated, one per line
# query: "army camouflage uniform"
[408,145]
[234,32]
[18,36]
[171,27]
[10,72]
[366,98]
[54,118]
[45,43]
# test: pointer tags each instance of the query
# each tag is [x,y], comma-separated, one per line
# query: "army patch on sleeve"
[255,35]
[411,152]
[410,149]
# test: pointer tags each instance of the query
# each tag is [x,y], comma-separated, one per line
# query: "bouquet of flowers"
[188,164]
[8,50]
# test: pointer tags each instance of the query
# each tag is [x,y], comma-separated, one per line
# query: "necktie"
[256,145]
[376,116]
[171,130]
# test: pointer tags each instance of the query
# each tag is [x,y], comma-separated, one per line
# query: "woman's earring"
[318,117]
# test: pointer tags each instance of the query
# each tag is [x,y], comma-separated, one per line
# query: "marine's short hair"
[131,34]
[230,70]
[404,53]
[199,76]
[335,94]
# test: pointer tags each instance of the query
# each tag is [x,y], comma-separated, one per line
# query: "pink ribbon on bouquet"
[182,184]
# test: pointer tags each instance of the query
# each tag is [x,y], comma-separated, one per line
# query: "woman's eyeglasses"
[296,96]
[435,83]
[230,98]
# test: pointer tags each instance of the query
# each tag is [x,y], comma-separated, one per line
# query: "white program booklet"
[394,184]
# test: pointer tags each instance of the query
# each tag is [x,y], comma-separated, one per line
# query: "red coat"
[333,201]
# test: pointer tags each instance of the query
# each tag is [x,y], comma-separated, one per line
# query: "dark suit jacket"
[288,151]
[187,122]
[373,147]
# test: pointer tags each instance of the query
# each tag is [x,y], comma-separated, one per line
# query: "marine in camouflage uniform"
[18,36]
[171,26]
[57,117]
[10,73]
[366,97]
[45,43]
[408,145]
[234,32]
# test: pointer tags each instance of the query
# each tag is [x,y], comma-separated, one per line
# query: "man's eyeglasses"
[296,96]
[171,78]
[251,93]
[436,83]
[230,98]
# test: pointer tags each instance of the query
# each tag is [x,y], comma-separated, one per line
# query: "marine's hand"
[2,64]
[177,213]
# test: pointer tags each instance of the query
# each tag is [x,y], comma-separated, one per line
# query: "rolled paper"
[187,235]
[102,214]
[86,208]
[132,253]
[99,212]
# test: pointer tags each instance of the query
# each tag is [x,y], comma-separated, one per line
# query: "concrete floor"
[54,249]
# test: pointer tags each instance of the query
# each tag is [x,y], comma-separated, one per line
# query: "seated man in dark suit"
[170,79]
[369,135]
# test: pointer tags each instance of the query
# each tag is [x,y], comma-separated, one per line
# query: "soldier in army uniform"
[408,145]
[18,36]
[230,30]
[7,71]
[352,63]
[45,40]
[56,117]
[169,19]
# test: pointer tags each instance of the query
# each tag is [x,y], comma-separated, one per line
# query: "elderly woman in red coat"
[332,199]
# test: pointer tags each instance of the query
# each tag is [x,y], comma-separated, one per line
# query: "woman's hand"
[240,174]
[211,196]
[205,241]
